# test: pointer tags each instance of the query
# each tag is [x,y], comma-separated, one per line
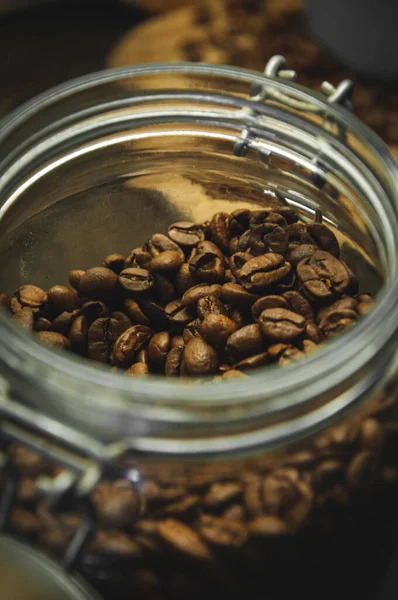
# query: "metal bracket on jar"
[277,67]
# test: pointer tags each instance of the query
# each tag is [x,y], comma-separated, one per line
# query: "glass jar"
[237,484]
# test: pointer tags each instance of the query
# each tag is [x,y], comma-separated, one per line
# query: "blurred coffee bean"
[116,503]
[25,318]
[54,340]
[183,539]
[221,532]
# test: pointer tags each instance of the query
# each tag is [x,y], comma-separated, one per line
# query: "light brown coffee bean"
[29,296]
[216,329]
[237,295]
[183,539]
[233,374]
[98,283]
[114,542]
[267,526]
[210,305]
[138,369]
[237,260]
[4,302]
[116,503]
[253,362]
[62,299]
[221,494]
[191,331]
[363,470]
[42,324]
[264,272]
[167,261]
[54,340]
[161,243]
[25,318]
[323,277]
[158,349]
[193,295]
[299,304]
[199,358]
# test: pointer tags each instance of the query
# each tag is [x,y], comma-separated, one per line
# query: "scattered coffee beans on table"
[218,298]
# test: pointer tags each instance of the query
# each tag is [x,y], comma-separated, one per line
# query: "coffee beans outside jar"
[242,291]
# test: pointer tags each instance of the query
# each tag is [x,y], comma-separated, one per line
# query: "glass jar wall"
[224,487]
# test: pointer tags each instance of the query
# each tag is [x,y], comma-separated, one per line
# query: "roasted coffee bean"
[239,316]
[158,349]
[164,288]
[182,538]
[300,253]
[24,521]
[114,542]
[336,322]
[288,213]
[275,238]
[184,279]
[245,342]
[312,333]
[173,361]
[295,231]
[192,330]
[267,526]
[237,295]
[102,335]
[191,297]
[115,262]
[98,283]
[155,313]
[281,325]
[122,319]
[234,245]
[25,318]
[210,247]
[137,259]
[328,474]
[210,305]
[167,261]
[239,222]
[134,312]
[221,494]
[362,471]
[216,329]
[54,340]
[347,303]
[237,260]
[78,335]
[263,272]
[177,313]
[136,280]
[299,304]
[142,356]
[4,302]
[207,267]
[253,362]
[92,310]
[161,243]
[75,278]
[220,532]
[42,324]
[290,355]
[233,374]
[177,340]
[219,226]
[62,323]
[309,346]
[199,358]
[62,299]
[28,463]
[186,234]
[29,296]
[116,503]
[323,277]
[364,307]
[129,343]
[324,238]
[270,301]
[371,436]
[186,509]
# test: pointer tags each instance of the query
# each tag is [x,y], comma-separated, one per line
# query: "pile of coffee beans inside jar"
[218,298]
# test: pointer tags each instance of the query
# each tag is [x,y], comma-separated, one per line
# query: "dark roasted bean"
[301,252]
[134,312]
[323,277]
[75,278]
[270,301]
[237,295]
[337,321]
[199,358]
[281,325]
[78,335]
[237,260]
[177,313]
[164,288]
[207,267]
[4,302]
[219,226]
[102,335]
[191,297]
[245,342]
[254,361]
[136,280]
[62,299]
[115,262]
[185,233]
[62,323]
[158,348]
[299,304]
[167,261]
[264,272]
[174,361]
[137,259]
[238,222]
[161,243]
[210,305]
[192,330]
[184,279]
[324,238]
[129,343]
[98,283]
[42,324]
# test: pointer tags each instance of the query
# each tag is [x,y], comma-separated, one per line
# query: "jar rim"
[275,388]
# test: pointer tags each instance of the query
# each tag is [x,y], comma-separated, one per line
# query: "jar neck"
[286,142]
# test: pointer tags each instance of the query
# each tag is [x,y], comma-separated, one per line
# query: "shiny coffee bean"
[54,340]
[62,299]
[237,295]
[300,253]
[216,329]
[199,358]
[281,325]
[210,305]
[75,278]
[270,301]
[177,313]
[128,344]
[136,280]
[134,312]
[138,369]
[158,349]
[207,267]
[237,260]
[29,296]
[102,335]
[115,262]
[137,259]
[219,226]
[191,297]
[42,324]
[208,246]
[92,310]
[25,318]
[167,261]
[263,272]
[63,322]
[245,342]
[337,321]
[323,277]
[123,320]
[98,283]
[162,243]
[186,234]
